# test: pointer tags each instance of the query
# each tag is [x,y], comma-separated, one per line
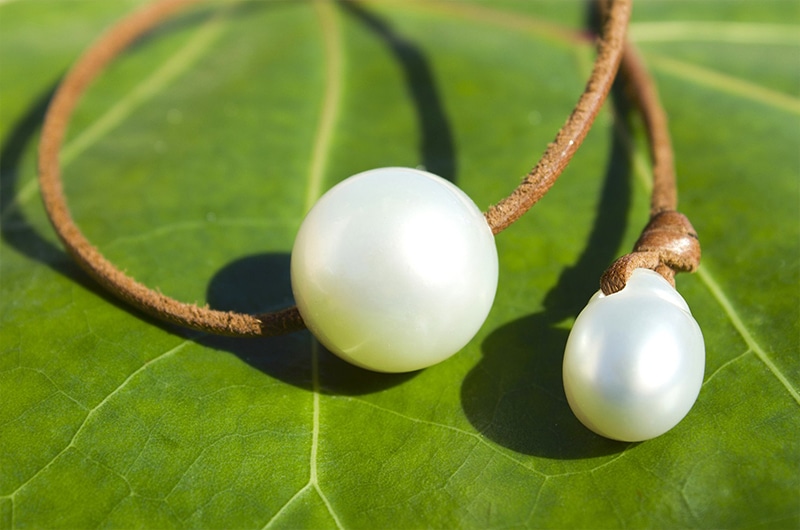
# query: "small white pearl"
[634,360]
[394,269]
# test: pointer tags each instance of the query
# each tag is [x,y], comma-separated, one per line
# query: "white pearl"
[394,269]
[634,360]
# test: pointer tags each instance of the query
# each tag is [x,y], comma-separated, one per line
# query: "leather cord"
[156,304]
[611,46]
[669,243]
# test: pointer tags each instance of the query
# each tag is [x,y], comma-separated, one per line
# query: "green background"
[190,165]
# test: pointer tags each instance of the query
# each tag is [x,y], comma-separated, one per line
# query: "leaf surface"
[191,162]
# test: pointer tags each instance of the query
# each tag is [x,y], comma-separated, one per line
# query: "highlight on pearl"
[634,361]
[394,269]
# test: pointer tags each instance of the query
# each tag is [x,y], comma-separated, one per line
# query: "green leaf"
[191,162]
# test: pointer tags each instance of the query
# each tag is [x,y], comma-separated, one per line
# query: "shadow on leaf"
[255,284]
[262,283]
[515,394]
[436,144]
[15,228]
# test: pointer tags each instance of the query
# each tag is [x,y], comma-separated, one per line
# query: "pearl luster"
[634,361]
[394,269]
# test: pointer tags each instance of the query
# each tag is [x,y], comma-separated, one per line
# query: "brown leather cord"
[611,45]
[540,179]
[85,254]
[668,244]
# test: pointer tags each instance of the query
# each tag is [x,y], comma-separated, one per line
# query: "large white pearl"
[634,360]
[394,269]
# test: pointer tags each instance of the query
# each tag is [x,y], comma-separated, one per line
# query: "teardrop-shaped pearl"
[634,361]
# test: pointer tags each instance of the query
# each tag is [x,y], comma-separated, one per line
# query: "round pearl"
[634,360]
[394,269]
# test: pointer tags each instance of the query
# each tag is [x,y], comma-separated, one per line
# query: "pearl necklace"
[395,269]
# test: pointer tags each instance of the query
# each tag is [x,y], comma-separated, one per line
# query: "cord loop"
[668,245]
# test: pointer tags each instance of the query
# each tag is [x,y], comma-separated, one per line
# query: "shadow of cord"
[261,282]
[237,285]
[15,229]
[436,144]
[19,233]
[515,395]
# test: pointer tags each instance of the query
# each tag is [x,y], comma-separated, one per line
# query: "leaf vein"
[331,100]
[199,455]
[480,439]
[735,32]
[722,299]
[724,83]
[287,504]
[328,505]
[725,365]
[486,14]
[188,226]
[56,387]
[94,410]
[536,501]
[173,67]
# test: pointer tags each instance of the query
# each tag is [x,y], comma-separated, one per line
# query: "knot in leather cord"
[673,237]
[668,245]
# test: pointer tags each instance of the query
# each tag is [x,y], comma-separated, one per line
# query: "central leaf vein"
[331,42]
